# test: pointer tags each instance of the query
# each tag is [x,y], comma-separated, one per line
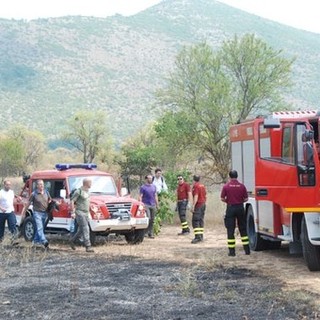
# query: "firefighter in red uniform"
[198,209]
[235,194]
[184,200]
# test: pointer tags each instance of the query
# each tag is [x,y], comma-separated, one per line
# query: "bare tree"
[86,132]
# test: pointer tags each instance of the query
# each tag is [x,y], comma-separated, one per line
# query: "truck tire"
[28,228]
[139,235]
[255,241]
[273,245]
[135,236]
[311,253]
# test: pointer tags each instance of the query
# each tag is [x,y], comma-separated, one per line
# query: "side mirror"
[124,192]
[63,193]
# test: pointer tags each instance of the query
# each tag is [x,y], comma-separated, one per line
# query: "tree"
[259,76]
[209,91]
[32,142]
[87,131]
[138,155]
[11,157]
[176,128]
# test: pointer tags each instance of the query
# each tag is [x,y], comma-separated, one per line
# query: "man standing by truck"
[40,199]
[7,210]
[80,207]
[234,194]
[149,197]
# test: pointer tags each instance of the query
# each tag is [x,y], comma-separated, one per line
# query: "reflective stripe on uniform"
[231,243]
[198,231]
[184,225]
[245,240]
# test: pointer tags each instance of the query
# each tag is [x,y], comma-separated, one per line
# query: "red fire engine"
[277,158]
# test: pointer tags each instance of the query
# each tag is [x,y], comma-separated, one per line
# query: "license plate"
[142,221]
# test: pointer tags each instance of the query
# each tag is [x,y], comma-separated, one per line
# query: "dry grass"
[201,272]
[15,254]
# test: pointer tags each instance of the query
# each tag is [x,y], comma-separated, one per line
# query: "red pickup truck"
[109,211]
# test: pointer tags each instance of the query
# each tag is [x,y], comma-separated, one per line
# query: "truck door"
[306,156]
[61,216]
[283,176]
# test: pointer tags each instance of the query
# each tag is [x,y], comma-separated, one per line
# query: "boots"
[89,249]
[196,239]
[232,252]
[246,249]
[184,232]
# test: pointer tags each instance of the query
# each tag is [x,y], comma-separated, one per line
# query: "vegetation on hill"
[52,68]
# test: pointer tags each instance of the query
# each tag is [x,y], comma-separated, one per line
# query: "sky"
[301,14]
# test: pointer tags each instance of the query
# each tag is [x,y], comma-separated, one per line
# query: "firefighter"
[235,194]
[198,209]
[184,199]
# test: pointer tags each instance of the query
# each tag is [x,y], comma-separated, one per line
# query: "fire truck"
[109,211]
[277,158]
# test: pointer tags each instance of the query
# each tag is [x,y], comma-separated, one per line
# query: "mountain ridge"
[51,68]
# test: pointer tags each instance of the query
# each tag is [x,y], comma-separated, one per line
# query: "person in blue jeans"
[149,197]
[40,198]
[7,210]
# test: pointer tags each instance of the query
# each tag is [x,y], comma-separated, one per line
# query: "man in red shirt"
[235,194]
[198,208]
[184,199]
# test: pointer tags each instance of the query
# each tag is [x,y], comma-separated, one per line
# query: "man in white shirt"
[7,209]
[159,181]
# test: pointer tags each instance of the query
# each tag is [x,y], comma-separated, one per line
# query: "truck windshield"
[100,184]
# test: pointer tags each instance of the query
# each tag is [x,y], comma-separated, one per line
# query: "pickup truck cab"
[109,211]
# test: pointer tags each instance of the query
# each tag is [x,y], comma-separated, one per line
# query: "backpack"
[73,192]
[161,180]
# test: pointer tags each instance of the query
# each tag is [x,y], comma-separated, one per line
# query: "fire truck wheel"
[274,245]
[135,237]
[311,253]
[28,228]
[255,241]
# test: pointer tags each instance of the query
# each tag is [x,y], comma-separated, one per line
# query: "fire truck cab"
[277,158]
[109,211]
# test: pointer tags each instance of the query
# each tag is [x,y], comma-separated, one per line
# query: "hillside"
[50,68]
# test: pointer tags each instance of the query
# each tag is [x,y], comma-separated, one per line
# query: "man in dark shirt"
[198,208]
[40,198]
[235,194]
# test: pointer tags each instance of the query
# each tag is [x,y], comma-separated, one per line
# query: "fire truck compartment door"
[265,216]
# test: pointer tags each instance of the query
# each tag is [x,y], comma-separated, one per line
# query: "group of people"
[40,200]
[193,198]
[155,185]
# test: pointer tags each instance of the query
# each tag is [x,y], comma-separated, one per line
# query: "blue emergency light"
[66,166]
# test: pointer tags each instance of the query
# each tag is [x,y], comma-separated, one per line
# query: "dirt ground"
[162,278]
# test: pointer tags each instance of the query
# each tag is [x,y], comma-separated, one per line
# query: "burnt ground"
[164,278]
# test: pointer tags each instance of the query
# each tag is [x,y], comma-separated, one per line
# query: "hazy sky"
[302,14]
